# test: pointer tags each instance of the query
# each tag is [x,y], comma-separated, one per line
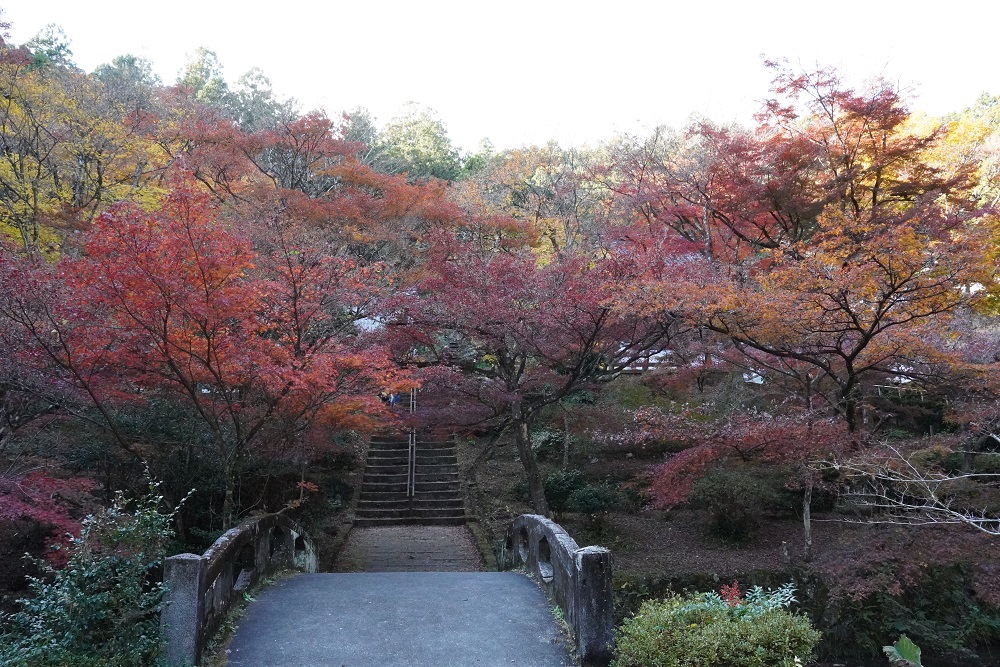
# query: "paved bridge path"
[402,618]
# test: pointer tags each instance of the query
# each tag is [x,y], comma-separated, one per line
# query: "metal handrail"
[411,473]
[411,477]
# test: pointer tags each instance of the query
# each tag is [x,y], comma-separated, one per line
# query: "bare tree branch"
[891,488]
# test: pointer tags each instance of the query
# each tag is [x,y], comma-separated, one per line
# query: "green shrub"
[904,653]
[940,611]
[986,463]
[702,630]
[101,610]
[547,444]
[595,499]
[559,485]
[935,457]
[735,500]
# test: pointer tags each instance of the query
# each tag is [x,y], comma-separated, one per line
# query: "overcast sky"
[527,71]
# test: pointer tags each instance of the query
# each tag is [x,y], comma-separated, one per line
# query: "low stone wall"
[577,579]
[200,589]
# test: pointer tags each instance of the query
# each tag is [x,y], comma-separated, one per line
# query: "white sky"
[527,71]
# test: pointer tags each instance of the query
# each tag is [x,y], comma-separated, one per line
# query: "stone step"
[405,440]
[416,502]
[389,504]
[443,494]
[420,476]
[381,457]
[438,497]
[390,486]
[435,451]
[438,487]
[436,459]
[395,476]
[436,469]
[404,455]
[419,513]
[377,452]
[429,515]
[401,458]
[384,487]
[385,470]
[385,476]
[409,521]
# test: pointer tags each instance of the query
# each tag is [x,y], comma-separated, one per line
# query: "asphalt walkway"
[402,596]
[400,619]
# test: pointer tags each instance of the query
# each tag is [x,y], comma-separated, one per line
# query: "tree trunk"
[851,400]
[536,487]
[807,536]
[227,503]
[180,526]
[809,392]
[486,454]
[566,442]
[851,414]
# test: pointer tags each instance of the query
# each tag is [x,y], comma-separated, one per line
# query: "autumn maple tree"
[524,334]
[798,441]
[845,245]
[260,342]
[47,500]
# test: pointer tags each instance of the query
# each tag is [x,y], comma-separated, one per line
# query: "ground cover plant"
[726,628]
[100,609]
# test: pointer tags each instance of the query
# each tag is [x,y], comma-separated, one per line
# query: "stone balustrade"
[200,589]
[576,579]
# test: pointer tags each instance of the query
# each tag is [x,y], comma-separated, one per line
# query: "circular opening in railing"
[243,567]
[545,570]
[277,541]
[522,544]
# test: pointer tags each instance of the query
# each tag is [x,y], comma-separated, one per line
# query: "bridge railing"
[201,589]
[577,579]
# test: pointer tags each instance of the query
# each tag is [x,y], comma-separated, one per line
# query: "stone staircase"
[386,498]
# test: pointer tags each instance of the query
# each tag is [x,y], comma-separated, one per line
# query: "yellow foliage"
[67,154]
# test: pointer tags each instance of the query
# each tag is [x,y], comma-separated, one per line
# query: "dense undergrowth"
[742,524]
[101,609]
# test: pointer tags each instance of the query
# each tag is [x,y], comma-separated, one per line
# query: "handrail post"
[595,633]
[183,615]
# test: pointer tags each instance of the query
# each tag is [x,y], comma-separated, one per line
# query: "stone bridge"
[386,619]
